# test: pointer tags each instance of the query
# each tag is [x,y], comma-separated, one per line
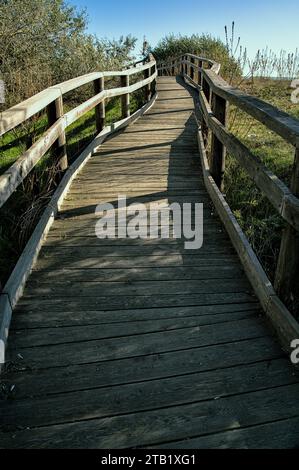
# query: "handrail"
[214,95]
[52,99]
[21,112]
[212,64]
[273,118]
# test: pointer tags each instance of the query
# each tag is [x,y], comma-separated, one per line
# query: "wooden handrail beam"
[273,118]
[51,100]
[16,173]
[19,113]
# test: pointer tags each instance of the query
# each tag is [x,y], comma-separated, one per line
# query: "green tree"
[172,46]
[45,41]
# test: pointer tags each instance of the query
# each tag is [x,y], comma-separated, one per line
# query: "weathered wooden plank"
[88,212]
[63,230]
[154,394]
[209,259]
[135,274]
[282,434]
[59,241]
[99,252]
[133,302]
[29,382]
[42,336]
[39,318]
[87,230]
[69,289]
[130,346]
[166,424]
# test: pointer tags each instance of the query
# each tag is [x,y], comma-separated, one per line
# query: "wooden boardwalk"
[136,343]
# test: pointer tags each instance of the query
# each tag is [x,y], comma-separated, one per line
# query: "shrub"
[204,45]
[44,42]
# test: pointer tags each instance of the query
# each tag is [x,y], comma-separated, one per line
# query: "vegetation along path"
[130,342]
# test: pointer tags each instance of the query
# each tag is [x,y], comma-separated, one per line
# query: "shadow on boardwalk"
[141,343]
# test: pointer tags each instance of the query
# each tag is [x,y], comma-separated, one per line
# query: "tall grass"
[267,76]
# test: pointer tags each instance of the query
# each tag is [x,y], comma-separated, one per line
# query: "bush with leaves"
[45,41]
[172,46]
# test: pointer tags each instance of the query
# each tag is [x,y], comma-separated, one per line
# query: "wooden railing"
[51,99]
[214,95]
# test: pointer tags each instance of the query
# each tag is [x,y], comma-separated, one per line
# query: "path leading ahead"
[127,343]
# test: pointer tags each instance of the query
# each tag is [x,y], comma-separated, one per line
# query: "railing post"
[99,86]
[54,112]
[182,65]
[204,127]
[217,158]
[186,65]
[125,99]
[199,77]
[154,82]
[192,69]
[147,88]
[172,67]
[287,272]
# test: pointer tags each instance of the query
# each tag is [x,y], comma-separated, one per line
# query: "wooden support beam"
[204,125]
[278,194]
[217,156]
[278,121]
[287,271]
[147,88]
[154,82]
[286,326]
[99,85]
[125,99]
[182,65]
[55,112]
[172,67]
[192,68]
[199,78]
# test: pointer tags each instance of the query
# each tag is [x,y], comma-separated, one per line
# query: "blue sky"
[259,23]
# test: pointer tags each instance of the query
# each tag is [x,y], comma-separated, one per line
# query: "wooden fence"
[214,96]
[51,99]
